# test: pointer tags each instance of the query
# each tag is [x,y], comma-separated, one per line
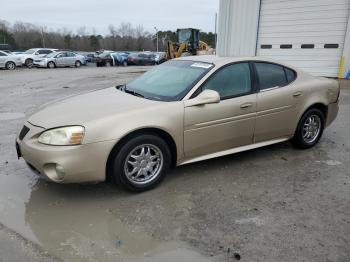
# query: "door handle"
[296,94]
[246,105]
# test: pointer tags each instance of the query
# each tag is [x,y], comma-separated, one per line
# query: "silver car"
[9,61]
[58,59]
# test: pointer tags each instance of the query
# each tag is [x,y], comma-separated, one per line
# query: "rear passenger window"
[44,52]
[230,81]
[270,75]
[290,74]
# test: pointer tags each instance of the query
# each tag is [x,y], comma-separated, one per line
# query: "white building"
[313,35]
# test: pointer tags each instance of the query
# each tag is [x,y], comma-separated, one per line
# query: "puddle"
[330,162]
[254,220]
[83,222]
[11,116]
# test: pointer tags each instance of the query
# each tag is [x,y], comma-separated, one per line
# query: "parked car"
[80,56]
[9,61]
[120,58]
[142,59]
[28,57]
[59,59]
[104,59]
[89,57]
[160,57]
[185,110]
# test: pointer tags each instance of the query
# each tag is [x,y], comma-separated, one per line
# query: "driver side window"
[233,80]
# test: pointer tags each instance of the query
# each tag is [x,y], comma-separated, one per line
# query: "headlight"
[63,136]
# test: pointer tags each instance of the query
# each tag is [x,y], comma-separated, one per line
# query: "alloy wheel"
[143,164]
[311,128]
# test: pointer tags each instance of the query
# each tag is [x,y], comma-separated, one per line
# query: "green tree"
[67,41]
[94,42]
[7,38]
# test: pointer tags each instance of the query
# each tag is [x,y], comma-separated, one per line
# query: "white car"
[59,59]
[28,57]
[9,61]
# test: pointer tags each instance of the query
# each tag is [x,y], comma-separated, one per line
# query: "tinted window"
[290,75]
[42,52]
[270,75]
[2,54]
[232,80]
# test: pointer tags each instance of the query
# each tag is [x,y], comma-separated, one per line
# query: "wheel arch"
[55,65]
[318,105]
[151,131]
[10,61]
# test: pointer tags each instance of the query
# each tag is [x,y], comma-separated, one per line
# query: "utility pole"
[155,28]
[216,20]
[42,37]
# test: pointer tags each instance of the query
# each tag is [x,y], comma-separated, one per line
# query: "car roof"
[219,61]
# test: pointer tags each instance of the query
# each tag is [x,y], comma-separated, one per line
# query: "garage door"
[308,34]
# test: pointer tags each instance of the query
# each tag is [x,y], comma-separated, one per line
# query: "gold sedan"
[186,110]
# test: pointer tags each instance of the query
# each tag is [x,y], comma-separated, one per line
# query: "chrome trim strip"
[233,150]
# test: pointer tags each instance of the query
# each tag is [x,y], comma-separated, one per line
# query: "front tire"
[141,163]
[10,66]
[29,63]
[51,65]
[77,64]
[310,129]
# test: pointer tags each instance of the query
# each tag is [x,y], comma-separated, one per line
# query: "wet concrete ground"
[270,204]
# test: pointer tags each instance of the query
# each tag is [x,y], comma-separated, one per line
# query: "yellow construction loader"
[188,43]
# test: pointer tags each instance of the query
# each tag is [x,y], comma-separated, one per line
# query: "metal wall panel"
[237,27]
[346,53]
[299,22]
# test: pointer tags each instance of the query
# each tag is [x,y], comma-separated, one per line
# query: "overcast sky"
[98,14]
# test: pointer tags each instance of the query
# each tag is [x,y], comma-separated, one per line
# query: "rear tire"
[141,163]
[125,63]
[10,66]
[310,129]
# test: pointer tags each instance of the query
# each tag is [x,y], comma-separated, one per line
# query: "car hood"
[82,109]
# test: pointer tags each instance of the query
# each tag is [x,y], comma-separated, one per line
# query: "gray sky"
[98,14]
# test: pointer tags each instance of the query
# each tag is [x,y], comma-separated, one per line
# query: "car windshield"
[169,81]
[30,51]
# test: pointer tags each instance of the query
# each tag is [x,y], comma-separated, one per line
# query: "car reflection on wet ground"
[270,204]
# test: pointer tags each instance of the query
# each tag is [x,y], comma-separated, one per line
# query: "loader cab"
[190,36]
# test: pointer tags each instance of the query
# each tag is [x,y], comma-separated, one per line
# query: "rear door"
[71,58]
[276,102]
[228,124]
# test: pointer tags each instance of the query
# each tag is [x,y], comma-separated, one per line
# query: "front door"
[228,124]
[61,59]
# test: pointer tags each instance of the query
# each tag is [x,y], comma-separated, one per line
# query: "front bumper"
[65,164]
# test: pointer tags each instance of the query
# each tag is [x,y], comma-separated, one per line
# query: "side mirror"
[208,96]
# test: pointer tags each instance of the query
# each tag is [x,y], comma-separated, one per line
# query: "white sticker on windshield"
[202,65]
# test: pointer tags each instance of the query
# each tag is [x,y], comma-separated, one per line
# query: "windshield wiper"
[132,92]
